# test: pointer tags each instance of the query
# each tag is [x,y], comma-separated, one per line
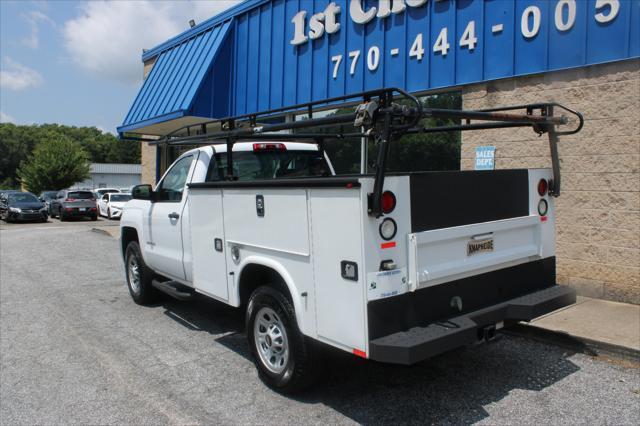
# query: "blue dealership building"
[267,54]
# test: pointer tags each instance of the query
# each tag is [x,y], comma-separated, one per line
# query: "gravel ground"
[75,349]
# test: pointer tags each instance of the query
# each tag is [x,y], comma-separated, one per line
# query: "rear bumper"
[75,212]
[419,343]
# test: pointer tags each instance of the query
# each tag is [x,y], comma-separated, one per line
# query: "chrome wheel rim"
[271,341]
[133,270]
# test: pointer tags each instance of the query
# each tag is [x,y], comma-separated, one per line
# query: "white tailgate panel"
[441,255]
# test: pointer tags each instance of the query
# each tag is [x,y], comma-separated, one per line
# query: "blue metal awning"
[171,90]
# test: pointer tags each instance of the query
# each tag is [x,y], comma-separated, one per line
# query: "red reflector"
[388,202]
[69,209]
[543,186]
[543,219]
[269,147]
[360,353]
[93,209]
[349,185]
[388,245]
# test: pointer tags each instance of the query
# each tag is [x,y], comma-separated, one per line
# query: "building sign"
[485,158]
[294,51]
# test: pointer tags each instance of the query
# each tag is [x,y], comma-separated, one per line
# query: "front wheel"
[139,276]
[281,353]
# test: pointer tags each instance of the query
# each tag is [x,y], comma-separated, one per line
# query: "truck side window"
[214,174]
[172,186]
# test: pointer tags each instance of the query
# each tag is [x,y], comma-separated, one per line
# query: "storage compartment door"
[335,221]
[207,226]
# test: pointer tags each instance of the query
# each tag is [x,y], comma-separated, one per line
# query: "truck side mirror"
[143,192]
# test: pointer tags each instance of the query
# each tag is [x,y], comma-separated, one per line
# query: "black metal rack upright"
[382,118]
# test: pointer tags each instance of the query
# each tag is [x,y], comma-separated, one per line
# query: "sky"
[79,62]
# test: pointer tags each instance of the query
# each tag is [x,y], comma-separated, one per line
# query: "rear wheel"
[139,276]
[281,353]
[108,213]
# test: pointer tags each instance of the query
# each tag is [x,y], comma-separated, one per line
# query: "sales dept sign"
[530,24]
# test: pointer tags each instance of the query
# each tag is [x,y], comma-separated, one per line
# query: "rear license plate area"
[479,246]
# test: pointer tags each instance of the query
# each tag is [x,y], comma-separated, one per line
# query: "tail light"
[388,202]
[269,147]
[543,187]
[69,200]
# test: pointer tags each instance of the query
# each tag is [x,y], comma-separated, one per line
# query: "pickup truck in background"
[395,270]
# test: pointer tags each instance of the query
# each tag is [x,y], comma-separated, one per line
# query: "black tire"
[146,294]
[298,371]
[108,213]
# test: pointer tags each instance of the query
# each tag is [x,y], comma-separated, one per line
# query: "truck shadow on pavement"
[454,388]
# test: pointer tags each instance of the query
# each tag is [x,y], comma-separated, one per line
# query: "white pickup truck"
[449,258]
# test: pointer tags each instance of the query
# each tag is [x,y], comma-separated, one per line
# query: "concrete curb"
[576,343]
[102,231]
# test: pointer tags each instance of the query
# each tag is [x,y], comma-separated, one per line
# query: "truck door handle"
[174,215]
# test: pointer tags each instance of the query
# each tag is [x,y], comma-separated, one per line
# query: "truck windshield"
[119,198]
[250,165]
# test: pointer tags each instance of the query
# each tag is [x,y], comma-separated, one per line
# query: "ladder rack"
[382,115]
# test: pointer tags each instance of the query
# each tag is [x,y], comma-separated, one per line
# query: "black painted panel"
[419,308]
[446,199]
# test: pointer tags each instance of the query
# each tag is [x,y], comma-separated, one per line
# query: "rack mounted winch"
[382,117]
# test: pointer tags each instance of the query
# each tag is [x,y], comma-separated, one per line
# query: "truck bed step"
[174,289]
[418,343]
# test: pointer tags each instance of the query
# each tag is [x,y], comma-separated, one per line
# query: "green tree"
[57,162]
[17,143]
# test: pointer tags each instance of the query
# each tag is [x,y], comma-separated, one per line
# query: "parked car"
[8,191]
[15,206]
[101,191]
[111,204]
[47,196]
[69,203]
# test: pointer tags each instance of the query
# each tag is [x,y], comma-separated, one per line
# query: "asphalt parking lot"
[75,349]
